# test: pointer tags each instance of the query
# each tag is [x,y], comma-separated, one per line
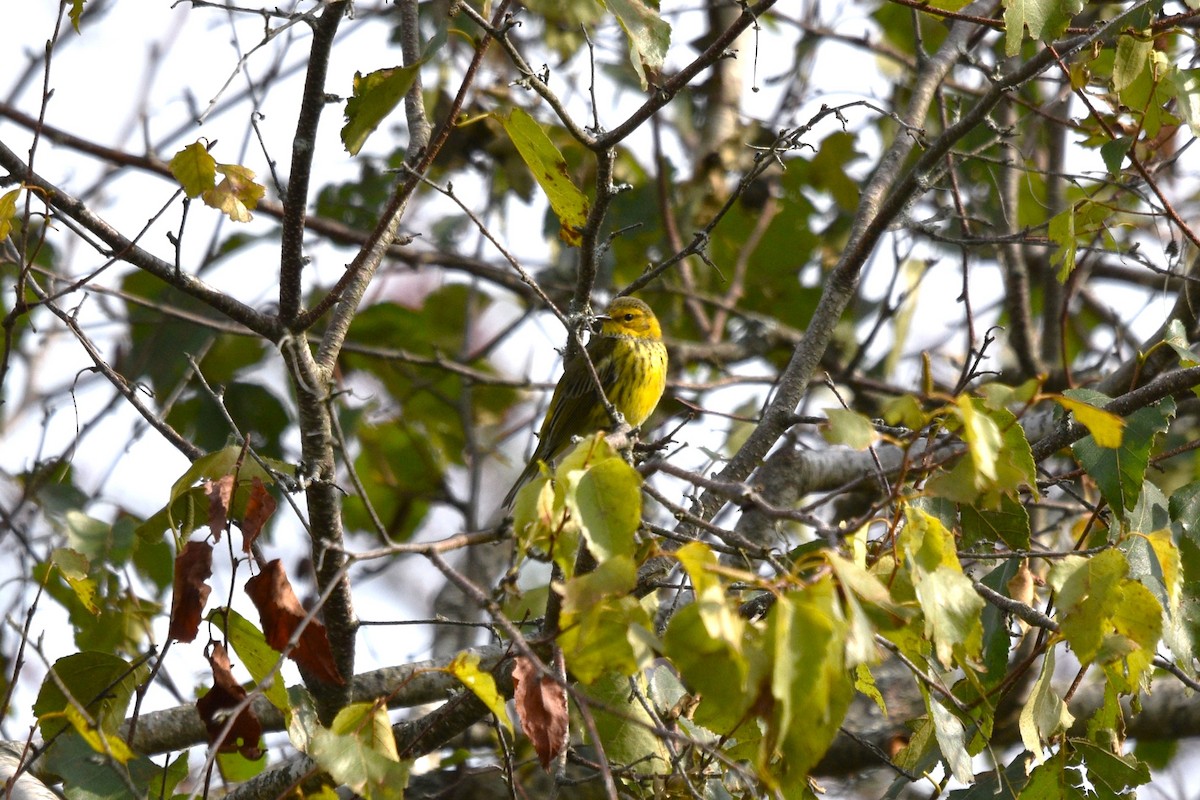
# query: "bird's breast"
[643,379]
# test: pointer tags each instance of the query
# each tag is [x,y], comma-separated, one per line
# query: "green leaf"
[1107,724]
[720,618]
[74,14]
[1045,714]
[359,751]
[849,428]
[257,410]
[111,746]
[188,505]
[1176,339]
[860,587]
[1120,471]
[1133,56]
[628,735]
[1053,781]
[1186,83]
[195,169]
[87,776]
[1116,773]
[725,679]
[550,171]
[100,683]
[74,567]
[921,754]
[1105,616]
[1156,754]
[1184,508]
[1113,153]
[952,613]
[88,535]
[258,657]
[997,395]
[952,740]
[996,624]
[1015,468]
[864,683]
[465,667]
[1045,19]
[236,768]
[604,630]
[612,637]
[1082,219]
[649,35]
[1128,652]
[1086,597]
[829,172]
[1007,525]
[982,436]
[1004,784]
[607,501]
[810,684]
[959,485]
[542,524]
[375,96]
[904,410]
[947,597]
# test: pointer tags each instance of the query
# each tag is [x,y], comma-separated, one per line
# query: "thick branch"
[405,686]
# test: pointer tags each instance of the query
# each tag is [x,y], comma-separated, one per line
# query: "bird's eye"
[629,317]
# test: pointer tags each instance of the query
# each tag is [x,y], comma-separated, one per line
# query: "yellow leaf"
[550,170]
[237,194]
[465,667]
[1106,428]
[8,211]
[195,169]
[97,739]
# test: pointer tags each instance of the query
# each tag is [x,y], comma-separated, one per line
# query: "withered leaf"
[259,508]
[542,708]
[280,613]
[193,568]
[219,493]
[216,705]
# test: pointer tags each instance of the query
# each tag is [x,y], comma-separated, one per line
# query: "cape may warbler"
[631,362]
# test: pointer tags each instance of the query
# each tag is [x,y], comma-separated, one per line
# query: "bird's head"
[628,316]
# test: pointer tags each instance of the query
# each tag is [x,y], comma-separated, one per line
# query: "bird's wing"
[575,409]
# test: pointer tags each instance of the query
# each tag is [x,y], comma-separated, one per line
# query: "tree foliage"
[920,502]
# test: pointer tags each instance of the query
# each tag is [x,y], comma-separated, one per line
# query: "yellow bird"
[631,362]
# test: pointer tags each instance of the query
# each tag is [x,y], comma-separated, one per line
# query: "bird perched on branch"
[630,362]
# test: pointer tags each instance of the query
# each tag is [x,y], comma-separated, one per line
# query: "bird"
[630,360]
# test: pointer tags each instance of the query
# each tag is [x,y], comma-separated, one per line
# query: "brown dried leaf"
[259,508]
[219,493]
[542,708]
[193,568]
[280,613]
[219,702]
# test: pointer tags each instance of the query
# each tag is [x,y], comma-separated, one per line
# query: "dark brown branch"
[295,203]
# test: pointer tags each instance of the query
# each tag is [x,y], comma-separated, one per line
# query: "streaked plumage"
[631,362]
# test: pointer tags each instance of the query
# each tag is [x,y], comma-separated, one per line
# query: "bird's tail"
[529,473]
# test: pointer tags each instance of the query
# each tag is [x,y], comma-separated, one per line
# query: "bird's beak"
[602,317]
